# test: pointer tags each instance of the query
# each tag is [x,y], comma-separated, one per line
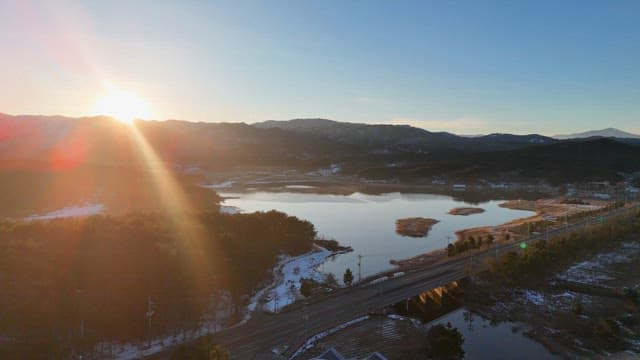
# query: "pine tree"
[348,277]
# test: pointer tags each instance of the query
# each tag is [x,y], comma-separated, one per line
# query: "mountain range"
[607,133]
[42,143]
[403,138]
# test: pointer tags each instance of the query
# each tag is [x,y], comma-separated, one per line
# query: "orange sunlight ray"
[183,217]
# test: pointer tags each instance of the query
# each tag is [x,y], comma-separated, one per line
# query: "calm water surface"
[486,341]
[367,222]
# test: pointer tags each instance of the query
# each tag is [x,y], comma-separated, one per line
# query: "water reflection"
[486,340]
[483,339]
[367,222]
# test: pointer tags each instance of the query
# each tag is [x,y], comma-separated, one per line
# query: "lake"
[367,222]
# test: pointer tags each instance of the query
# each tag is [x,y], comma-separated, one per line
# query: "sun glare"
[123,106]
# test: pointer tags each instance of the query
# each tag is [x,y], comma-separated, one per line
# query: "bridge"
[289,329]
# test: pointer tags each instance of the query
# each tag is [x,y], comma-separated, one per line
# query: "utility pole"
[305,318]
[359,268]
[275,299]
[547,238]
[149,314]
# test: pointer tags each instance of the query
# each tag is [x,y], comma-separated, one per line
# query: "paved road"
[291,327]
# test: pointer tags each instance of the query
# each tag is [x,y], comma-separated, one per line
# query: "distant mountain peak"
[608,133]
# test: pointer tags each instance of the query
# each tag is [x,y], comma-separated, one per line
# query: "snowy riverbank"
[70,211]
[288,275]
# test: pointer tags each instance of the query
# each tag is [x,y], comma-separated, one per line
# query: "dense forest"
[92,279]
[570,161]
[34,189]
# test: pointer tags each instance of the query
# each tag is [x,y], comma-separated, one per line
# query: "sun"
[122,105]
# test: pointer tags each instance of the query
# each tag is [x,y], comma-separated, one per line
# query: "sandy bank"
[415,227]
[465,211]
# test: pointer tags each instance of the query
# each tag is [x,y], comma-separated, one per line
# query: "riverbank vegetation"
[577,292]
[71,283]
[544,257]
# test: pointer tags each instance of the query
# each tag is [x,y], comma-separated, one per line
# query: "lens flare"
[183,217]
[122,105]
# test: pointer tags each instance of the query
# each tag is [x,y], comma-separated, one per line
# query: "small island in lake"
[464,211]
[414,227]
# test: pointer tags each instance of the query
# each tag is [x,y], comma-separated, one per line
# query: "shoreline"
[547,212]
[549,307]
[241,182]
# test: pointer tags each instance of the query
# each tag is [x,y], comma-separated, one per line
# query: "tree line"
[543,257]
[86,280]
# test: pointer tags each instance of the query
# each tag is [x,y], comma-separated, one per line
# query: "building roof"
[333,354]
[376,356]
[330,354]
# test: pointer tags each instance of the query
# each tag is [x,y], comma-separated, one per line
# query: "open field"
[549,213]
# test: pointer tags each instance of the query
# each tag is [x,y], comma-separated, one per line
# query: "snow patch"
[222,185]
[300,187]
[565,294]
[226,209]
[286,288]
[593,271]
[534,297]
[413,321]
[70,211]
[312,340]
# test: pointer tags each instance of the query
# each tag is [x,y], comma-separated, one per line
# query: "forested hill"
[72,283]
[563,162]
[63,146]
[50,162]
[66,142]
[404,137]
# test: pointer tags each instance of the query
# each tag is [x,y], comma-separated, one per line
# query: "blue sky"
[461,66]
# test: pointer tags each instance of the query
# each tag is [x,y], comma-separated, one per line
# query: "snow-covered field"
[593,271]
[70,211]
[288,275]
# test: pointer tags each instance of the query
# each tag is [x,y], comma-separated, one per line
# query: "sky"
[467,67]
